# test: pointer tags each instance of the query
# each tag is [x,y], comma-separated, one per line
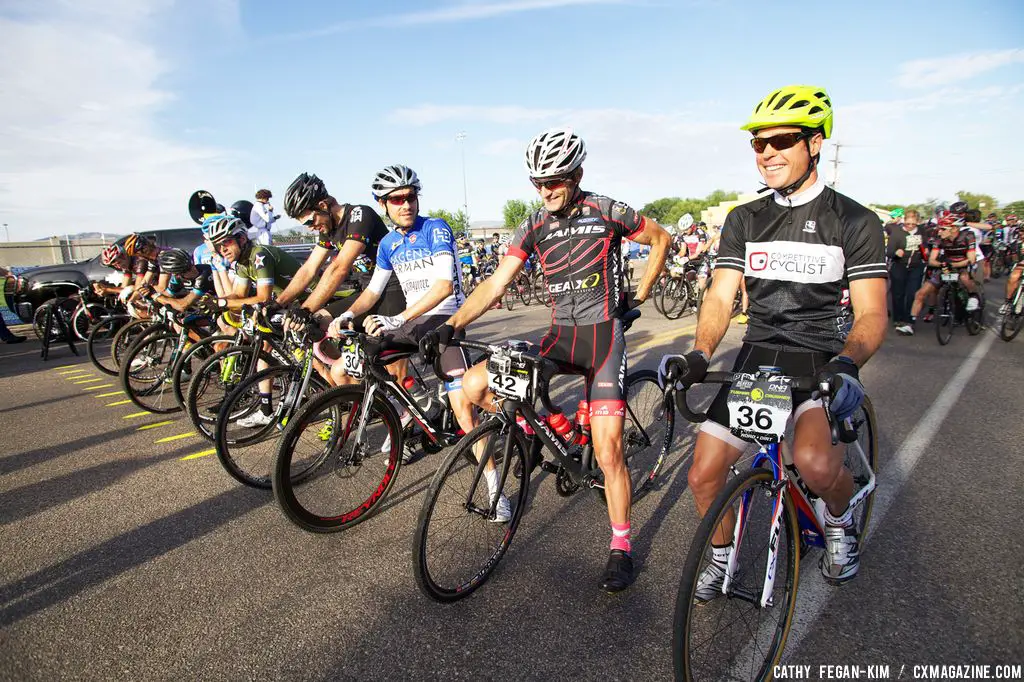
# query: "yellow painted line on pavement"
[119,402]
[77,370]
[133,415]
[107,395]
[178,437]
[658,339]
[197,455]
[83,380]
[155,425]
[97,387]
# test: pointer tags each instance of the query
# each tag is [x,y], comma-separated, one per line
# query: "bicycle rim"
[146,372]
[728,637]
[247,453]
[944,316]
[867,441]
[212,383]
[99,333]
[325,479]
[647,431]
[189,362]
[456,547]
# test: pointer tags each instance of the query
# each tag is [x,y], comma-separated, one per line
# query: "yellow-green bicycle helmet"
[806,106]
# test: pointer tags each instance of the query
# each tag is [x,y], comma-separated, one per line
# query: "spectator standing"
[906,258]
[262,218]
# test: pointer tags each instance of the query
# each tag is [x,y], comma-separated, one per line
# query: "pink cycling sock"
[620,537]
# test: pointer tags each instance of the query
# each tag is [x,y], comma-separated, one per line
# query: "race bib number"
[950,277]
[352,360]
[505,380]
[759,407]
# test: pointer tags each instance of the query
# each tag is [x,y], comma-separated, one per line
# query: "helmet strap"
[811,165]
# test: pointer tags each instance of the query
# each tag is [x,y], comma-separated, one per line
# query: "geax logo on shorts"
[795,262]
[588,282]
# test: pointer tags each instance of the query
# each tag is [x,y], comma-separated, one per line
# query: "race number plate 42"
[352,360]
[950,277]
[759,407]
[506,381]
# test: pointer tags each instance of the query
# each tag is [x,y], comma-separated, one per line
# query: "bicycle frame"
[810,514]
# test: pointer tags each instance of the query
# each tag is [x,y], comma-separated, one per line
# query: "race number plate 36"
[950,277]
[352,360]
[759,407]
[509,385]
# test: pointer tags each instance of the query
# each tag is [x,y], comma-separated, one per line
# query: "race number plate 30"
[759,407]
[950,277]
[352,360]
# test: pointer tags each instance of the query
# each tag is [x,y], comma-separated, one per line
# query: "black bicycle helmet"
[303,194]
[959,207]
[242,210]
[174,261]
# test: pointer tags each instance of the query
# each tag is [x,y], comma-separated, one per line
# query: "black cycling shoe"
[618,574]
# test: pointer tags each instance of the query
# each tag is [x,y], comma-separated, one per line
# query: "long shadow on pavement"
[118,555]
[29,458]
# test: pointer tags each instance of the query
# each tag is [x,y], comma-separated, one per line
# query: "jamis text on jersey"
[577,231]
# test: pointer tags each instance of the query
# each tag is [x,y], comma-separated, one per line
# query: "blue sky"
[114,111]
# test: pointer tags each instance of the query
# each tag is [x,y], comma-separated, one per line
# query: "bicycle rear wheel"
[647,432]
[146,373]
[944,310]
[730,636]
[324,479]
[457,545]
[1014,318]
[189,362]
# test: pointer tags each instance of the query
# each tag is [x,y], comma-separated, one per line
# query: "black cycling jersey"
[957,248]
[798,255]
[578,251]
[201,284]
[361,223]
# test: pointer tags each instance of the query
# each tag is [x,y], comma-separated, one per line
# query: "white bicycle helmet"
[685,221]
[225,227]
[391,178]
[557,151]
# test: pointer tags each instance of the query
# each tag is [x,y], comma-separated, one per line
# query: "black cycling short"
[795,362]
[454,361]
[986,250]
[600,349]
[391,302]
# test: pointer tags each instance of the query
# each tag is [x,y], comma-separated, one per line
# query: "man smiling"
[800,250]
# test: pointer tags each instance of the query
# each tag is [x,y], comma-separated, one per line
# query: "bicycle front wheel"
[648,429]
[146,373]
[730,636]
[326,479]
[458,544]
[191,359]
[1014,317]
[944,311]
[214,380]
[125,337]
[100,332]
[861,467]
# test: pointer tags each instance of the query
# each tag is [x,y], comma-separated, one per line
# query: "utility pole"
[835,166]
[6,232]
[460,137]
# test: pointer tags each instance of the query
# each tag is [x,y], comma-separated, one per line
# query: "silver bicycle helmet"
[554,152]
[225,227]
[391,178]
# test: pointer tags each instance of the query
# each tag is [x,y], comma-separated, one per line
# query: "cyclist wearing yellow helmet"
[806,253]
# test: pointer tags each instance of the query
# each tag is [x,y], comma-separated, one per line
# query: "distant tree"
[1014,207]
[457,221]
[658,209]
[985,203]
[515,211]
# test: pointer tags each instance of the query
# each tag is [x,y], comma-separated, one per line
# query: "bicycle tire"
[123,340]
[294,487]
[523,290]
[1014,317]
[101,331]
[944,312]
[644,450]
[200,402]
[461,461]
[151,393]
[690,615]
[82,319]
[867,437]
[678,293]
[656,293]
[192,357]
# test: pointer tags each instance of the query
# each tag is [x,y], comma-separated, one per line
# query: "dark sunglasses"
[312,218]
[550,183]
[778,142]
[402,199]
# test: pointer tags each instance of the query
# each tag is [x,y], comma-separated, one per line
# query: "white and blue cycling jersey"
[420,257]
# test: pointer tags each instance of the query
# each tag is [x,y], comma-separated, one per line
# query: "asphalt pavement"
[128,553]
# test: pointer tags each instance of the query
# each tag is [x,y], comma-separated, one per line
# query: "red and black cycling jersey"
[957,248]
[798,256]
[578,250]
[690,242]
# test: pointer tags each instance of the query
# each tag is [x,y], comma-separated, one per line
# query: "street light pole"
[460,137]
[6,232]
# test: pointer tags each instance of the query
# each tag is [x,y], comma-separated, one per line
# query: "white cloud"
[924,73]
[80,148]
[466,11]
